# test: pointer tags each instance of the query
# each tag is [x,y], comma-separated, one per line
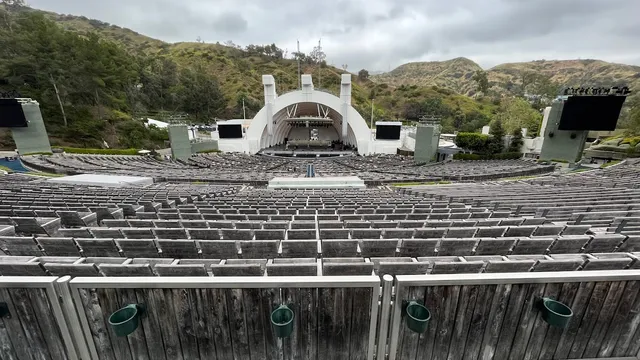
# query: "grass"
[6,169]
[610,163]
[516,178]
[70,150]
[38,153]
[422,183]
[581,170]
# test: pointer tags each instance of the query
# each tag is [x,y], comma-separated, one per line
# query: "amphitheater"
[206,253]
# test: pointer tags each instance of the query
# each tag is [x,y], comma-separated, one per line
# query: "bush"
[472,141]
[101,151]
[503,156]
[610,163]
[208,151]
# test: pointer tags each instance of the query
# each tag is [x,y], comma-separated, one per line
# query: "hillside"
[456,74]
[117,74]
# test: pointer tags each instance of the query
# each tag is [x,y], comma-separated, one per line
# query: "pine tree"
[516,141]
[497,133]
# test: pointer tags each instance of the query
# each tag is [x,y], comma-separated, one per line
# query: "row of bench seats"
[309,231]
[223,249]
[105,266]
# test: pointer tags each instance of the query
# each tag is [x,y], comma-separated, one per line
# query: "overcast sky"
[382,34]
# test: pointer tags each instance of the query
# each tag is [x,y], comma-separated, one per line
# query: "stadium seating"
[186,229]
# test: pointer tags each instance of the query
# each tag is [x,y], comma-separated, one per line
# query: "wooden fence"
[229,317]
[32,325]
[496,316]
[473,316]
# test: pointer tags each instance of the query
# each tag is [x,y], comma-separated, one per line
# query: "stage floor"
[337,182]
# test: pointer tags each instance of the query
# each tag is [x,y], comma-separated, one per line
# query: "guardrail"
[594,314]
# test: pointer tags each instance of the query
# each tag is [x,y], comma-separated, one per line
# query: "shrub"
[208,151]
[100,151]
[610,163]
[502,156]
[472,141]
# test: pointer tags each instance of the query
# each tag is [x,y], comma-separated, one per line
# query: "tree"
[630,121]
[482,81]
[516,141]
[517,113]
[11,5]
[472,142]
[496,131]
[200,93]
[363,75]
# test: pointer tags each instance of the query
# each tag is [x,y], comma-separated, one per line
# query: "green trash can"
[125,321]
[555,313]
[282,321]
[418,317]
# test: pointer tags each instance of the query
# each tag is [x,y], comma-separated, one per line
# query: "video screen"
[388,132]
[597,113]
[11,114]
[232,131]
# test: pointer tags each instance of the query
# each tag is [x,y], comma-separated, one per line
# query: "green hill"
[108,76]
[507,79]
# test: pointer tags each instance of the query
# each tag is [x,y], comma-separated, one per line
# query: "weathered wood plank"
[17,338]
[447,324]
[434,301]
[150,325]
[203,315]
[6,348]
[237,324]
[629,329]
[601,326]
[550,344]
[97,323]
[540,326]
[409,341]
[308,324]
[466,305]
[621,317]
[360,323]
[137,341]
[257,318]
[579,307]
[494,323]
[182,308]
[510,322]
[526,321]
[341,324]
[270,301]
[24,311]
[109,302]
[220,321]
[47,321]
[291,344]
[161,300]
[589,319]
[479,322]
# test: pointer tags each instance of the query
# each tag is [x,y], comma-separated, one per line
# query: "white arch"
[257,134]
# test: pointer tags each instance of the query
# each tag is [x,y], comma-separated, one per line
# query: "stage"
[337,182]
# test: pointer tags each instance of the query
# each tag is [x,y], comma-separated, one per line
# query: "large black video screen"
[388,132]
[231,131]
[11,114]
[597,113]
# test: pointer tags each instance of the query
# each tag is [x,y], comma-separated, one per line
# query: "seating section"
[185,229]
[258,170]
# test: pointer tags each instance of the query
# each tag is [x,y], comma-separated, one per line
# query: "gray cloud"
[379,34]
